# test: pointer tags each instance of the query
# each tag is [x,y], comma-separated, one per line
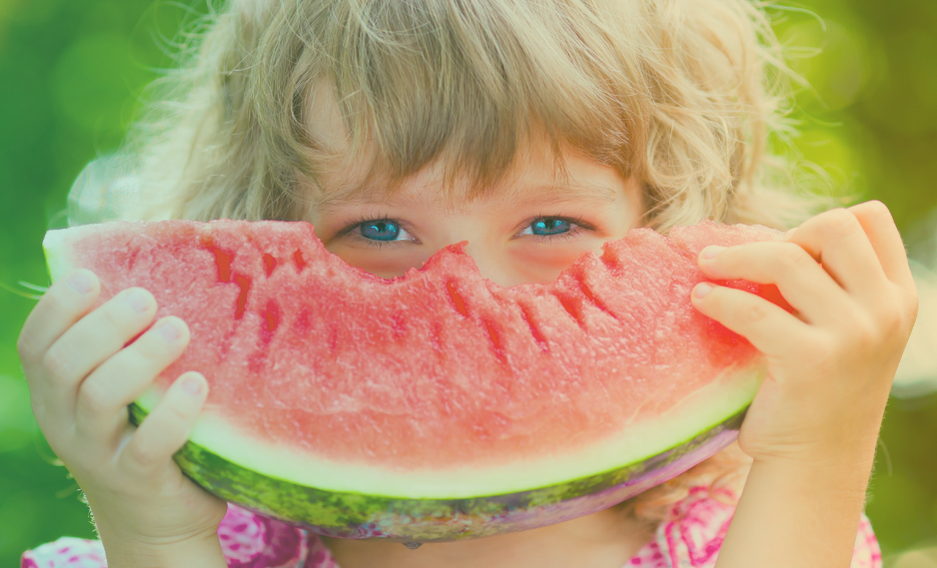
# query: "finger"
[166,428]
[837,240]
[63,304]
[879,225]
[88,343]
[752,317]
[801,280]
[101,411]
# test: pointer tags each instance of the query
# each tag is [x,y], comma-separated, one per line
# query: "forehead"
[352,170]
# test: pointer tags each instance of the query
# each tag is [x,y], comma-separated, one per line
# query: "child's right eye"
[379,231]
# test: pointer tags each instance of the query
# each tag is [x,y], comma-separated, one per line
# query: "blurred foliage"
[73,73]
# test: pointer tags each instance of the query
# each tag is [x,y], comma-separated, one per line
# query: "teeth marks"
[299,261]
[222,260]
[271,319]
[244,283]
[132,260]
[538,335]
[496,342]
[270,264]
[595,301]
[612,263]
[574,307]
[456,298]
[272,315]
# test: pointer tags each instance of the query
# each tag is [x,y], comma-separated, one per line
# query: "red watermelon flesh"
[438,370]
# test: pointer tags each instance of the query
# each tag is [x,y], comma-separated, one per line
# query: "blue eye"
[549,226]
[383,230]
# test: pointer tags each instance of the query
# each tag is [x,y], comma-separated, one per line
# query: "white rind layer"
[695,414]
[56,260]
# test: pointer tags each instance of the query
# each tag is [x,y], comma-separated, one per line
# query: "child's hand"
[81,379]
[830,363]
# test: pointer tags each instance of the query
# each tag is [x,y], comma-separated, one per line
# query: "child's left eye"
[548,226]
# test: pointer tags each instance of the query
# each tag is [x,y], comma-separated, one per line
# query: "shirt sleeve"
[699,524]
[247,541]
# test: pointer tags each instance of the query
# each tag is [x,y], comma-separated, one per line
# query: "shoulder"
[696,526]
[247,540]
[251,540]
[66,552]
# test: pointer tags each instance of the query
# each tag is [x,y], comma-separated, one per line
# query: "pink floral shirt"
[689,539]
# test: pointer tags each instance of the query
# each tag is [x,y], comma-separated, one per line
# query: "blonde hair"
[687,96]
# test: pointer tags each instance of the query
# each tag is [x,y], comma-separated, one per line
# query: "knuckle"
[93,396]
[838,222]
[794,257]
[52,301]
[866,332]
[150,353]
[179,415]
[58,363]
[24,346]
[146,351]
[898,315]
[112,316]
[910,311]
[142,453]
[753,312]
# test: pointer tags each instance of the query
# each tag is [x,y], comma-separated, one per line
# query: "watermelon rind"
[357,515]
[434,506]
[704,409]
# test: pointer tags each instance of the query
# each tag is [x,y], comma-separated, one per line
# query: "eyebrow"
[545,194]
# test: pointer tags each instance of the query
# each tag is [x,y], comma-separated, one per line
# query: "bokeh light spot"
[93,78]
[17,424]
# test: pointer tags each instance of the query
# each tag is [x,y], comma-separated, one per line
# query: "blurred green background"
[71,77]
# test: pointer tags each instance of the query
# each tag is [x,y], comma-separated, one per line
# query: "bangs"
[467,85]
[688,97]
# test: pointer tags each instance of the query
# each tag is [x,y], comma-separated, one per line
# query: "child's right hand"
[81,379]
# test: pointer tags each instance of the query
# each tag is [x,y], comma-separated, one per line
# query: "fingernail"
[192,385]
[168,332]
[710,253]
[137,301]
[80,282]
[702,289]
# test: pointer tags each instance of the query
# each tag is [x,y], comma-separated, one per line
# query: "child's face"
[528,230]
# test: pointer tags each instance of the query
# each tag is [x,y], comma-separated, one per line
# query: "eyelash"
[350,230]
[578,225]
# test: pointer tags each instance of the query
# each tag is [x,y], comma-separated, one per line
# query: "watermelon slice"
[437,405]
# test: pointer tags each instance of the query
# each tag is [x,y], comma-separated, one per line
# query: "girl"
[534,130]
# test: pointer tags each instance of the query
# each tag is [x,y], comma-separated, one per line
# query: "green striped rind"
[354,515]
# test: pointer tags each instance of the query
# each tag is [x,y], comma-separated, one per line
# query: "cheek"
[541,263]
[385,262]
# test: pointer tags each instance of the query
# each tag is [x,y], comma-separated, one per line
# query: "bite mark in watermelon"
[437,405]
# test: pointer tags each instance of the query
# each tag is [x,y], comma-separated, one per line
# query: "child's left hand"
[831,362]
